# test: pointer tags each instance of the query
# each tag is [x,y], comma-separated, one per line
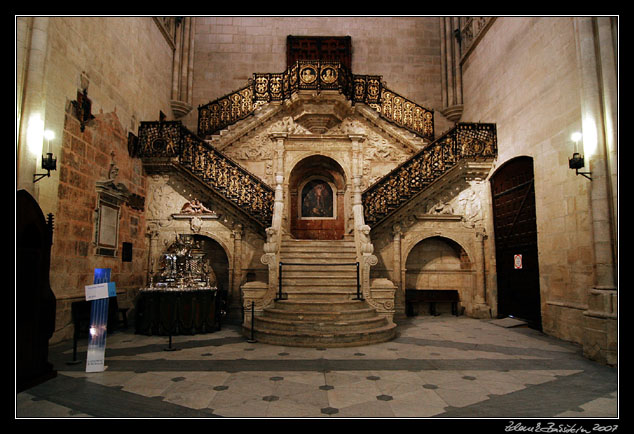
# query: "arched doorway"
[317,186]
[513,193]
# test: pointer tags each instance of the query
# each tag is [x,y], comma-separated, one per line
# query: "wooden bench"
[431,296]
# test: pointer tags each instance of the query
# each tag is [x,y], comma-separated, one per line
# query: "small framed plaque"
[107,230]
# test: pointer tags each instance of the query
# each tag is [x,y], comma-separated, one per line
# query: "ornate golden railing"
[393,107]
[472,141]
[265,88]
[227,178]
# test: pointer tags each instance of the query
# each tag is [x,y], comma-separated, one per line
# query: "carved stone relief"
[380,153]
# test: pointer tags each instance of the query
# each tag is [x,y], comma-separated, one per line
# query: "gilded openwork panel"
[464,141]
[224,176]
[314,75]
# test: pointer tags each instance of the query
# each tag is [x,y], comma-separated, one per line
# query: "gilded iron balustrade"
[226,177]
[466,141]
[394,107]
[265,88]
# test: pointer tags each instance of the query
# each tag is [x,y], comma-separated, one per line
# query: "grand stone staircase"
[320,304]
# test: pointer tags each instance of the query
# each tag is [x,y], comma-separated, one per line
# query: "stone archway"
[439,263]
[317,186]
[217,258]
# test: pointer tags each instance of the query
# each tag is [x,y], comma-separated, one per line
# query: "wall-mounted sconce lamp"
[576,162]
[48,162]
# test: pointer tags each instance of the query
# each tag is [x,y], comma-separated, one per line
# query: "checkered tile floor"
[437,367]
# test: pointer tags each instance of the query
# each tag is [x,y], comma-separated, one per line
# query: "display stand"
[99,294]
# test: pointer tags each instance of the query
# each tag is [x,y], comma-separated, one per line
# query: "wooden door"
[516,241]
[35,301]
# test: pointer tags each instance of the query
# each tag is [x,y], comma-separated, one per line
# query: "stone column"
[183,68]
[32,104]
[451,70]
[357,174]
[278,210]
[234,313]
[274,233]
[597,67]
[397,273]
[480,306]
[152,234]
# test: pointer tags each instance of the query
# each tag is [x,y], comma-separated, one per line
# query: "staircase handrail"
[473,141]
[314,75]
[170,139]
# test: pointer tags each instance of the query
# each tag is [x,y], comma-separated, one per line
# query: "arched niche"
[440,263]
[217,258]
[317,185]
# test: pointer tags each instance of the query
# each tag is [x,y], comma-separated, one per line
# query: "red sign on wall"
[517,262]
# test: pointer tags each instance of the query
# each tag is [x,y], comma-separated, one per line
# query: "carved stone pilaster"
[235,305]
[451,70]
[183,67]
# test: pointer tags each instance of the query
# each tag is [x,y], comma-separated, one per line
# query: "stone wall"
[124,64]
[87,158]
[404,50]
[523,75]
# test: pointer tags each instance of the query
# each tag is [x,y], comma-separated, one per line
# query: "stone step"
[319,305]
[334,256]
[345,239]
[330,294]
[318,245]
[319,272]
[298,248]
[342,282]
[317,264]
[320,325]
[300,315]
[324,339]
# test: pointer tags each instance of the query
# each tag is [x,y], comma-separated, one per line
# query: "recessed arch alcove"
[440,263]
[217,258]
[317,185]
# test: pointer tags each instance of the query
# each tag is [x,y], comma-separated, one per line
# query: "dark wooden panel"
[35,302]
[326,48]
[515,226]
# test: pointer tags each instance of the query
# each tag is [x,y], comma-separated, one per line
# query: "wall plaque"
[107,227]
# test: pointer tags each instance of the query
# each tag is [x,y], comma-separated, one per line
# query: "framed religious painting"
[317,200]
